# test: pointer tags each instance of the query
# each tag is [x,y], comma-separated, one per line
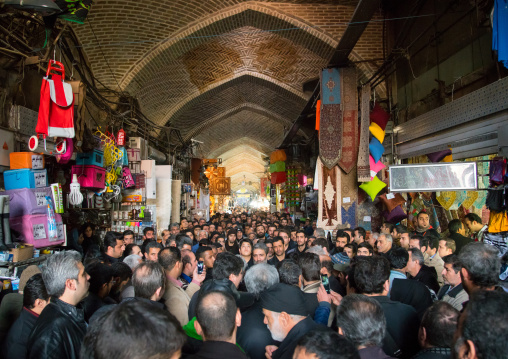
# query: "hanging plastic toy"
[56,110]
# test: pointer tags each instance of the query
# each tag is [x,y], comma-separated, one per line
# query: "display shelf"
[39,259]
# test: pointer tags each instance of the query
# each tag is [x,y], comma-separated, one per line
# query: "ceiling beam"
[359,21]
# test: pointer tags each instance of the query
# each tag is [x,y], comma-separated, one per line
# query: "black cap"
[284,298]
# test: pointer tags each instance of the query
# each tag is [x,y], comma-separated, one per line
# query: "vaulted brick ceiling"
[228,73]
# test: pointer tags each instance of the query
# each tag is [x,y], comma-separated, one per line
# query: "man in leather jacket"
[60,329]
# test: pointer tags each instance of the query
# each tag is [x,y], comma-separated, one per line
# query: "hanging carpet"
[349,141]
[363,150]
[329,197]
[330,125]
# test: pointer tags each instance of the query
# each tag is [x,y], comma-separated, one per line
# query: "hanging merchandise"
[56,110]
[128,180]
[66,156]
[120,138]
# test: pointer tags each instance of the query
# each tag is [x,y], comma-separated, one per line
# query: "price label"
[366,219]
[390,196]
[60,229]
[346,200]
[37,163]
[40,179]
[40,198]
[39,231]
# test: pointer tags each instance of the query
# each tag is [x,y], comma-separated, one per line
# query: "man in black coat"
[287,319]
[420,272]
[61,327]
[253,335]
[457,233]
[217,319]
[370,276]
[35,299]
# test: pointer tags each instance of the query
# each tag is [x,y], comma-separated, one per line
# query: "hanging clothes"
[500,30]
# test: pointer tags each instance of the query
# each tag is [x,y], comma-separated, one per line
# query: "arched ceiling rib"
[244,124]
[238,91]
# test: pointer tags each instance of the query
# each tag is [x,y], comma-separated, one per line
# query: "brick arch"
[226,20]
[247,88]
[237,144]
[232,111]
[261,129]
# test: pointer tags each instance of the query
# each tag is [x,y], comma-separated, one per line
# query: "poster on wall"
[431,177]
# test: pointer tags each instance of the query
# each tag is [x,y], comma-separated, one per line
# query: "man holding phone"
[175,297]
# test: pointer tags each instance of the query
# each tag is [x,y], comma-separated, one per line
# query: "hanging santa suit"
[56,111]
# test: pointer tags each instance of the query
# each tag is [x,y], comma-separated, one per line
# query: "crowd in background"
[260,285]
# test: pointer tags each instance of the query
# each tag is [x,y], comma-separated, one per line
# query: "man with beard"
[301,242]
[260,232]
[231,244]
[423,225]
[279,252]
[289,245]
[269,245]
[342,239]
[287,319]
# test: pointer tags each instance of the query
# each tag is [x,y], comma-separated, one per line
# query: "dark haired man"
[113,247]
[365,249]
[278,250]
[433,259]
[436,331]
[311,269]
[423,225]
[101,281]
[387,228]
[231,244]
[152,250]
[217,319]
[35,299]
[301,241]
[155,334]
[458,234]
[480,267]
[475,226]
[411,292]
[370,275]
[452,292]
[175,297]
[325,345]
[342,238]
[128,237]
[360,235]
[483,327]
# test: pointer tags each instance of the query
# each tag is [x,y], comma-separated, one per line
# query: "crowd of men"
[262,286]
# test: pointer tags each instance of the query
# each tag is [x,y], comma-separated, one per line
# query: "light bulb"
[75,198]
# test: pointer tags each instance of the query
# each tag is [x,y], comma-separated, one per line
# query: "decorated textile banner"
[329,193]
[363,149]
[330,126]
[349,141]
[265,185]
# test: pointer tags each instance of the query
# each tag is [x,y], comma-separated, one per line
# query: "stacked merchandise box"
[32,219]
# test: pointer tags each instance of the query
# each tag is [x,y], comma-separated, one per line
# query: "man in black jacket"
[457,233]
[421,272]
[370,276]
[61,327]
[287,319]
[35,299]
[253,335]
[217,319]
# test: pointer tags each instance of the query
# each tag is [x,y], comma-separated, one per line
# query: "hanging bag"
[56,111]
